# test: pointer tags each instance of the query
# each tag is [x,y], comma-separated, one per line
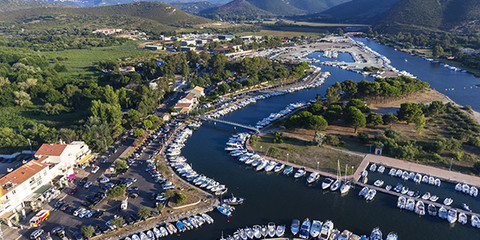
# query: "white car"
[78,211]
[87,184]
[95,169]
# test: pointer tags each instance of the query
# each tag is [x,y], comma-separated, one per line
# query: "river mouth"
[277,198]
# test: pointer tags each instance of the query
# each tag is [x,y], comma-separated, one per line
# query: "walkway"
[230,123]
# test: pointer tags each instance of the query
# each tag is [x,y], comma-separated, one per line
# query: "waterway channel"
[276,198]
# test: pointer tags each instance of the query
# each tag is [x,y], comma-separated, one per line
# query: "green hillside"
[358,11]
[237,9]
[194,7]
[13,5]
[282,8]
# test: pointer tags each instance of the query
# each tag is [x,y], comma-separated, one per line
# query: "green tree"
[436,108]
[317,123]
[389,118]
[355,118]
[409,112]
[144,213]
[133,118]
[87,231]
[358,104]
[117,191]
[438,51]
[374,119]
[147,124]
[120,165]
[117,222]
[137,132]
[419,122]
[332,95]
[180,198]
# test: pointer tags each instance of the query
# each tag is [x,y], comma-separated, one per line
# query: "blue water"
[277,198]
[342,57]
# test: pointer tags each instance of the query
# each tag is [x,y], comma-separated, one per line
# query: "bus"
[39,217]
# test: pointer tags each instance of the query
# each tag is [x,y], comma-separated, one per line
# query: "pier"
[230,123]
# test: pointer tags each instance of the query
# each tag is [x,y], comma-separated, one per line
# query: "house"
[28,186]
[127,69]
[225,37]
[108,31]
[197,91]
[153,47]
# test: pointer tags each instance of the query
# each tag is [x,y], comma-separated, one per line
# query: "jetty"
[229,123]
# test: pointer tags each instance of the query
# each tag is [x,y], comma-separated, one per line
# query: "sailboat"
[346,185]
[336,185]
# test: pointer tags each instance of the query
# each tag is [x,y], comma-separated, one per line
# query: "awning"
[84,159]
[71,176]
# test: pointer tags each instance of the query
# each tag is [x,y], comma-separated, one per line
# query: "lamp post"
[287,157]
[318,163]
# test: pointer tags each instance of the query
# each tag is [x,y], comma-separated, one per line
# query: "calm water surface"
[277,198]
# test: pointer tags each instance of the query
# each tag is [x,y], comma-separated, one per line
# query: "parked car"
[78,236]
[88,184]
[59,203]
[83,181]
[95,169]
[73,191]
[104,180]
[36,234]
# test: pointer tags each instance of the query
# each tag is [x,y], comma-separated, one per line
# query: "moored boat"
[376,234]
[432,210]
[315,228]
[326,230]
[295,227]
[304,232]
[392,236]
[327,182]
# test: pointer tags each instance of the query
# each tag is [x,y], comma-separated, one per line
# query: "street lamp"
[287,157]
[318,165]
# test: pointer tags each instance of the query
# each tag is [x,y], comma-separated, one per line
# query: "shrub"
[332,140]
[116,191]
[180,197]
[87,231]
[117,222]
[144,213]
[363,137]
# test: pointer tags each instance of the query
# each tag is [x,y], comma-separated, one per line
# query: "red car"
[73,191]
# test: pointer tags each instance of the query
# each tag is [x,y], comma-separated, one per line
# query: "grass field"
[315,24]
[303,153]
[83,61]
[274,33]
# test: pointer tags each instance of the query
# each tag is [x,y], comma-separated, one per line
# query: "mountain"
[358,11]
[13,5]
[237,9]
[194,7]
[159,12]
[431,14]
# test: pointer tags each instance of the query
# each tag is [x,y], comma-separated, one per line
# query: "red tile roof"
[182,105]
[51,149]
[21,174]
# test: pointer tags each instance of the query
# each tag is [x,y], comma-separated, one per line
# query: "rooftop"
[51,149]
[21,174]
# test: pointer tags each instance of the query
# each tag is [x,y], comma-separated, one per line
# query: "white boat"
[420,208]
[373,167]
[326,230]
[448,201]
[363,192]
[345,187]
[300,173]
[270,166]
[336,185]
[462,218]
[280,230]
[458,187]
[313,177]
[452,216]
[364,173]
[431,180]
[272,230]
[465,188]
[392,172]
[262,165]
[257,231]
[371,194]
[288,170]
[425,179]
[378,183]
[434,198]
[279,167]
[376,234]
[401,202]
[410,206]
[327,182]
[399,173]
[466,207]
[418,178]
[392,236]
[405,175]
[473,191]
[207,218]
[438,182]
[315,228]
[432,210]
[388,187]
[295,227]
[304,232]
[475,221]
[381,169]
[443,213]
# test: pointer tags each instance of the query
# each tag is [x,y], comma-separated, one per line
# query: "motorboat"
[345,235]
[398,188]
[207,218]
[438,182]
[225,209]
[336,185]
[304,232]
[405,175]
[280,230]
[279,167]
[411,175]
[270,166]
[473,191]
[288,170]
[432,210]
[181,226]
[426,196]
[462,218]
[264,231]
[242,234]
[135,237]
[150,235]
[363,192]
[431,180]
[378,183]
[410,206]
[475,221]
[249,233]
[392,236]
[425,179]
[417,178]
[327,182]
[271,229]
[404,190]
[420,208]
[373,167]
[381,169]
[364,173]
[388,187]
[261,165]
[257,231]
[313,177]
[376,234]
[295,226]
[399,173]
[315,229]
[300,173]
[442,212]
[434,198]
[466,207]
[345,187]
[232,200]
[392,172]
[371,194]
[326,230]
[465,188]
[401,202]
[452,216]
[448,201]
[458,187]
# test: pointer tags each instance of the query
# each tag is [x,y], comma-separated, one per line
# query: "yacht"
[279,167]
[426,196]
[363,192]
[336,185]
[475,221]
[315,229]
[327,182]
[432,210]
[295,226]
[345,187]
[466,207]
[326,230]
[313,177]
[392,236]
[376,234]
[401,202]
[345,235]
[392,172]
[420,208]
[305,229]
[448,201]
[272,230]
[280,230]
[288,170]
[443,213]
[462,218]
[232,200]
[381,169]
[373,167]
[452,216]
[378,183]
[263,163]
[300,173]
[135,237]
[364,173]
[371,194]
[410,206]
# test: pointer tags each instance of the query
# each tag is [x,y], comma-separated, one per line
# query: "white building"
[25,186]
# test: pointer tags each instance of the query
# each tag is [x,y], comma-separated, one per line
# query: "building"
[153,47]
[108,31]
[188,103]
[225,37]
[127,69]
[29,186]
